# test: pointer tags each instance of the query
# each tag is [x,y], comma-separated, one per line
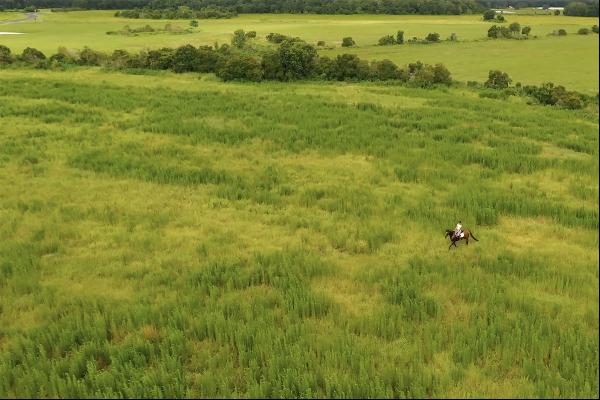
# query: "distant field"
[571,61]
[170,236]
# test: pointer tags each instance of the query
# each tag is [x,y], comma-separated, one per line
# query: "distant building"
[556,8]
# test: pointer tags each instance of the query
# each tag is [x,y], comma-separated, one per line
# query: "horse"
[466,236]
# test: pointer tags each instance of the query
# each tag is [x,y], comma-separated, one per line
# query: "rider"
[458,229]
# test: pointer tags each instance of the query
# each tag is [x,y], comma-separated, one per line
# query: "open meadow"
[571,61]
[172,235]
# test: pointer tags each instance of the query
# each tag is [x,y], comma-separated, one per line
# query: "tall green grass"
[187,238]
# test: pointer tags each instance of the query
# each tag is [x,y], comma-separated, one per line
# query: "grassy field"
[165,235]
[571,61]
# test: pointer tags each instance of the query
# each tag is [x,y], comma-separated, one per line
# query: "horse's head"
[448,233]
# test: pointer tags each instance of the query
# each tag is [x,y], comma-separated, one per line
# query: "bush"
[583,31]
[387,40]
[426,75]
[194,23]
[321,43]
[160,59]
[297,59]
[350,67]
[32,56]
[489,15]
[595,28]
[184,59]
[498,80]
[251,35]
[91,57]
[241,68]
[526,30]
[500,18]
[497,32]
[5,56]
[276,37]
[441,74]
[562,32]
[433,37]
[385,70]
[549,94]
[348,42]
[514,28]
[239,39]
[453,37]
[400,37]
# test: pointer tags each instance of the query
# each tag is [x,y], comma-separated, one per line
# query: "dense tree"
[387,40]
[433,37]
[297,59]
[489,15]
[184,59]
[526,30]
[385,70]
[241,67]
[400,37]
[32,56]
[239,39]
[5,56]
[348,42]
[498,80]
[515,28]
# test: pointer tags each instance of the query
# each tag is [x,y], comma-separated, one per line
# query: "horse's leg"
[467,241]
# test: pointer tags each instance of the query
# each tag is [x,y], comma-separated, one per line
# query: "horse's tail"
[473,236]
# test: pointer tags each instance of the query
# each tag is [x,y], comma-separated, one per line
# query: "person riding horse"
[458,230]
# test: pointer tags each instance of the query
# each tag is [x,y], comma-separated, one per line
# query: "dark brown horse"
[467,235]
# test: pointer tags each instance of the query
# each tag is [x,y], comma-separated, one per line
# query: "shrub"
[387,40]
[489,15]
[433,37]
[239,39]
[562,32]
[184,59]
[194,23]
[91,57]
[583,31]
[498,80]
[32,56]
[514,28]
[276,37]
[556,12]
[5,56]
[321,43]
[400,37]
[453,37]
[500,18]
[348,42]
[441,74]
[385,70]
[297,59]
[251,35]
[595,28]
[526,30]
[555,95]
[498,32]
[242,68]
[350,67]
[160,59]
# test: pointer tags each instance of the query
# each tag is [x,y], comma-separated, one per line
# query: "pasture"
[175,236]
[571,61]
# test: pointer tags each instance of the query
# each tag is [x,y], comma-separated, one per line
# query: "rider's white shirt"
[458,227]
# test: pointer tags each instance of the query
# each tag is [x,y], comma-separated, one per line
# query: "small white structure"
[556,8]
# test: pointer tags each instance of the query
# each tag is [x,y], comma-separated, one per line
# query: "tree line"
[268,6]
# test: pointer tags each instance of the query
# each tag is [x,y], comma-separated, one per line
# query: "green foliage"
[526,30]
[276,38]
[5,55]
[32,56]
[583,31]
[239,39]
[348,42]
[498,80]
[387,40]
[400,37]
[489,15]
[555,95]
[169,237]
[433,37]
[241,67]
